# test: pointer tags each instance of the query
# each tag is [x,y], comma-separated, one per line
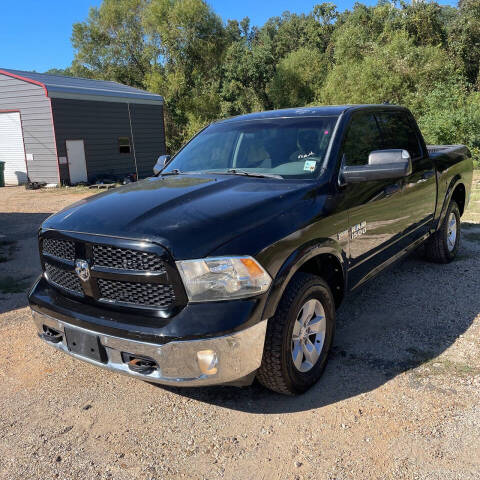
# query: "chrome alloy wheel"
[451,232]
[308,335]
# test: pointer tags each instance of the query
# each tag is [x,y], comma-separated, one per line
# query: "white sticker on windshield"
[310,165]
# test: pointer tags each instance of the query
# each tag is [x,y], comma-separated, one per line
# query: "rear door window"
[398,132]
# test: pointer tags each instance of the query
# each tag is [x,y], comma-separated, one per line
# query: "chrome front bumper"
[238,354]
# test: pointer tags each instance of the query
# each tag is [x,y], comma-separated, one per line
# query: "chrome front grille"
[59,248]
[123,273]
[144,294]
[126,259]
[63,279]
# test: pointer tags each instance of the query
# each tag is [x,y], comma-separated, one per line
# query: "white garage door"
[11,148]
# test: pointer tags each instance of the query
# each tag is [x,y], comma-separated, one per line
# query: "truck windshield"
[283,147]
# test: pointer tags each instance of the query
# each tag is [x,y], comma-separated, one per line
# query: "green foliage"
[247,69]
[458,121]
[297,77]
[422,55]
[425,23]
[397,71]
[66,72]
[111,43]
[464,38]
[191,41]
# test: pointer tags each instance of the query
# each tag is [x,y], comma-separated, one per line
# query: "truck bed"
[444,148]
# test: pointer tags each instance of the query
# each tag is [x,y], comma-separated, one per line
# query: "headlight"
[223,278]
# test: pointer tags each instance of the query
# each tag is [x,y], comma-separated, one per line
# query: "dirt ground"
[400,398]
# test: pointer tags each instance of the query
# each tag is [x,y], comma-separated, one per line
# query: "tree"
[452,115]
[188,35]
[297,78]
[67,72]
[464,39]
[398,72]
[190,39]
[425,23]
[421,55]
[111,44]
[248,67]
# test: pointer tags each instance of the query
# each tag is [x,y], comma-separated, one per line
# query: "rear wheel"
[443,246]
[299,336]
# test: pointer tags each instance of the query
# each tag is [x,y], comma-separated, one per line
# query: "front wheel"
[299,336]
[443,246]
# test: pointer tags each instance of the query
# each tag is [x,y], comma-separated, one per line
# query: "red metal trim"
[23,138]
[35,82]
[25,79]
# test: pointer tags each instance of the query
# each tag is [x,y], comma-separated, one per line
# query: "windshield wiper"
[237,171]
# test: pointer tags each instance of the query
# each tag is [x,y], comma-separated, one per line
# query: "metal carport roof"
[59,86]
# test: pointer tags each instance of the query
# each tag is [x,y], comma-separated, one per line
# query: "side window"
[399,132]
[363,136]
[124,145]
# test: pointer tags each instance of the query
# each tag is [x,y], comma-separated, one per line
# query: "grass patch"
[472,214]
[455,368]
[475,195]
[7,247]
[67,190]
[438,366]
[13,285]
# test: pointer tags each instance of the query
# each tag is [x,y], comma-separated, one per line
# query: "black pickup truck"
[230,262]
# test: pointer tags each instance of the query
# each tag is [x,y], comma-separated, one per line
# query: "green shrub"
[452,115]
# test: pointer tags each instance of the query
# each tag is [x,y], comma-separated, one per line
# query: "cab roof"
[321,111]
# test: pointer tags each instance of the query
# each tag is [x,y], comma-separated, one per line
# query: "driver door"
[375,212]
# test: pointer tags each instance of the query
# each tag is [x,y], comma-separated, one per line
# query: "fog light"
[207,361]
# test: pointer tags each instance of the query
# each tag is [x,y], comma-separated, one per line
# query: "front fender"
[295,261]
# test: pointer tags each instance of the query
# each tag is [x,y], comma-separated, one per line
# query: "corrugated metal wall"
[100,124]
[147,126]
[38,134]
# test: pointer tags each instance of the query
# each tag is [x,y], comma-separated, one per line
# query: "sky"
[35,34]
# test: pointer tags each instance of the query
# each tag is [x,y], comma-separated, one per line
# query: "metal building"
[58,129]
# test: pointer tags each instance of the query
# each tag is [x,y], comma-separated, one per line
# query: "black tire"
[436,247]
[277,371]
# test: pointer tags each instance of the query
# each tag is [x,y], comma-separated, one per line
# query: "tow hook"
[50,335]
[143,365]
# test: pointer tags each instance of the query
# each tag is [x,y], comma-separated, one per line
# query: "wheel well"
[459,196]
[330,269]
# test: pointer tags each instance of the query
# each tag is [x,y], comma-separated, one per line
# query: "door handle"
[428,175]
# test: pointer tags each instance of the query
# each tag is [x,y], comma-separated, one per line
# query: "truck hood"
[191,215]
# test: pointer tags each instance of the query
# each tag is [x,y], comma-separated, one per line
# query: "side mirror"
[382,165]
[161,163]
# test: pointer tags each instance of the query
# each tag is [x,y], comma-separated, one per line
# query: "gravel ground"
[400,398]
